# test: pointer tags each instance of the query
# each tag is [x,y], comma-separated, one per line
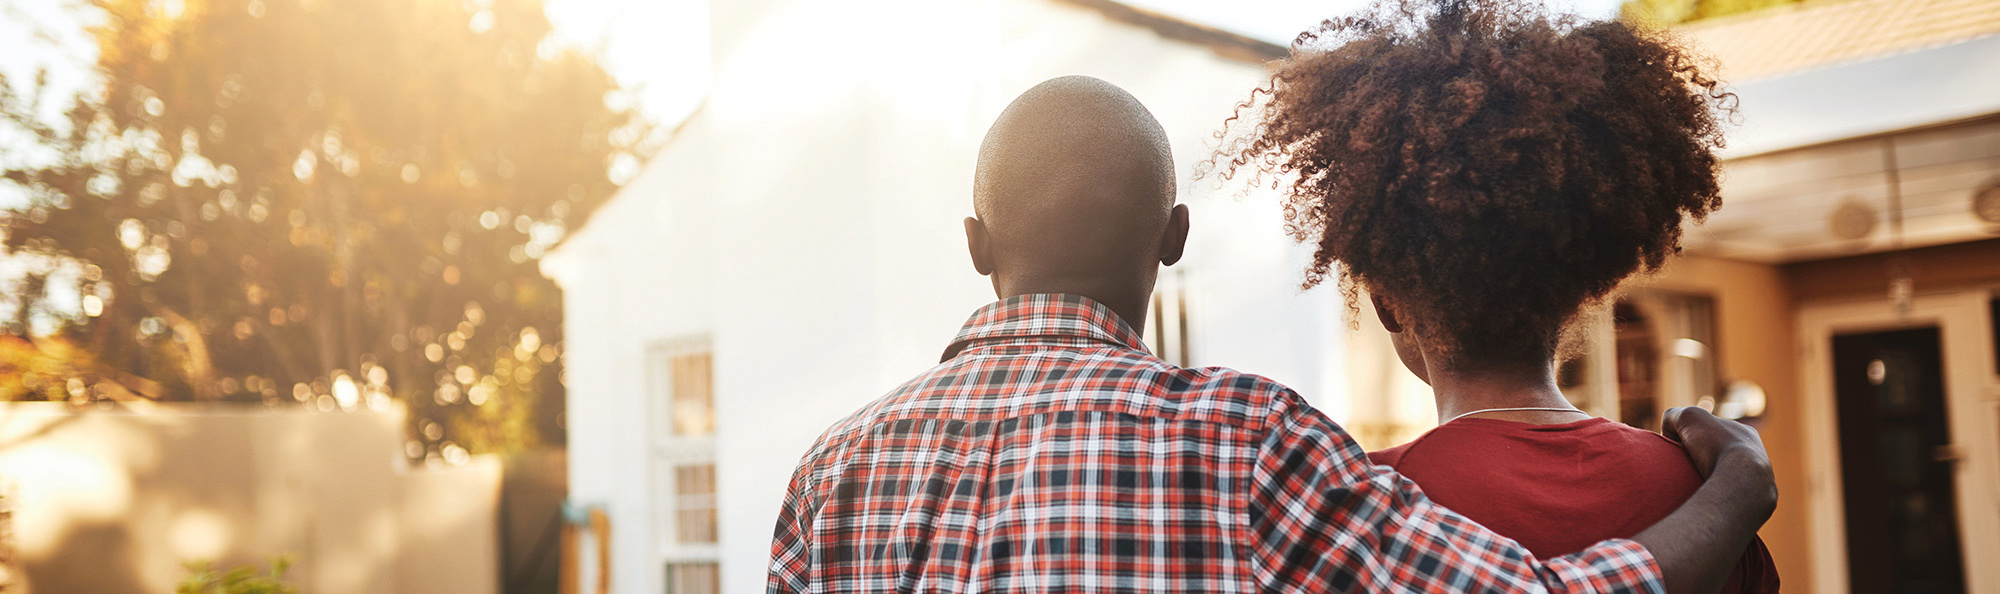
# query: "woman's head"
[1486,167]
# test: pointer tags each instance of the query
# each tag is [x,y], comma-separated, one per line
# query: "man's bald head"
[1075,194]
[1075,168]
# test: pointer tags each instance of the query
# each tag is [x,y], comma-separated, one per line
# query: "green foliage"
[1669,12]
[241,580]
[322,202]
[50,368]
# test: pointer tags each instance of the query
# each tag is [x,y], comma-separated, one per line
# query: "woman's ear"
[1405,343]
[1387,313]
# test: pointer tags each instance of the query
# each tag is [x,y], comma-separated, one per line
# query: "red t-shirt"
[1557,489]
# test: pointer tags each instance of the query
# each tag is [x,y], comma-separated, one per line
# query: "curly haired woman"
[1485,171]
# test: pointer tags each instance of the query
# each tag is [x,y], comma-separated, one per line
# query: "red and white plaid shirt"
[1050,452]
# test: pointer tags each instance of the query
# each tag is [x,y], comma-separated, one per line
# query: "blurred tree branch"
[1673,12]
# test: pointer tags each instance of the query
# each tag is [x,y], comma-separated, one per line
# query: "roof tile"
[1812,35]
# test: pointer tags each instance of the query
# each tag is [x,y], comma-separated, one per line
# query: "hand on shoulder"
[1714,443]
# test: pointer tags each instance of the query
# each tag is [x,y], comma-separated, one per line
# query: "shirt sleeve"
[1326,520]
[791,550]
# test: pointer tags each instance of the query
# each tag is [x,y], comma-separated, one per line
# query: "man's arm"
[791,542]
[1724,515]
[791,569]
[1324,519]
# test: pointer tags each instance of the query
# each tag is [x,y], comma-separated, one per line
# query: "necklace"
[1522,409]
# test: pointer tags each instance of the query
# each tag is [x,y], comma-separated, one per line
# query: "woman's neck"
[1460,392]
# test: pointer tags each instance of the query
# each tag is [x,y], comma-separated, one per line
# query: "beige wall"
[114,501]
[1754,335]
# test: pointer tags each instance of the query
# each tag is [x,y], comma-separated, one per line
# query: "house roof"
[1812,35]
[1831,98]
[1773,42]
[1227,44]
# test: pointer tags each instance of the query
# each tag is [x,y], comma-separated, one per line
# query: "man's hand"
[1708,438]
[1699,544]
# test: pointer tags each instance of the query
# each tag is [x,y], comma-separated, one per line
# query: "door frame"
[1972,399]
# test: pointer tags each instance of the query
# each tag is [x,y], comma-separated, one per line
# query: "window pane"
[694,394]
[694,503]
[1638,360]
[694,578]
[1666,355]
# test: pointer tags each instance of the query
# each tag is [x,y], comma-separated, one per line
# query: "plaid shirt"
[1050,452]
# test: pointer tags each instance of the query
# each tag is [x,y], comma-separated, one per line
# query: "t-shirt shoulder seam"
[1410,447]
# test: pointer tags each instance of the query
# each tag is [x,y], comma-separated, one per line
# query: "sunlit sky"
[637,36]
[657,46]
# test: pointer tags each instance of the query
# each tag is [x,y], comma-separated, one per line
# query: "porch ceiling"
[1781,206]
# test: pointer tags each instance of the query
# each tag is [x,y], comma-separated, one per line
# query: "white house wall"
[807,221]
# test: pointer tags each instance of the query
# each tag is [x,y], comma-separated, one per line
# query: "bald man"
[1074,193]
[1049,452]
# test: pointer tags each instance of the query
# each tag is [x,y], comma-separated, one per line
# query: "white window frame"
[668,451]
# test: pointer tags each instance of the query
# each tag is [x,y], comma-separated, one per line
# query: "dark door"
[1902,518]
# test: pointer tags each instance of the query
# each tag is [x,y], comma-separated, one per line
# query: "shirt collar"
[1046,315]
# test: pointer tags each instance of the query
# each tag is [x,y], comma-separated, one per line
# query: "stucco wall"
[1755,336]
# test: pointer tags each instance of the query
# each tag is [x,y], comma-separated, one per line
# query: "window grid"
[682,401]
[693,394]
[694,578]
[694,486]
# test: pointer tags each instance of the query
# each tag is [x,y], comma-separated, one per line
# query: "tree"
[332,203]
[1670,12]
[203,579]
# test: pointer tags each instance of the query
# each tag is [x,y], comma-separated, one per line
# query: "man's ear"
[1387,313]
[980,244]
[1174,241]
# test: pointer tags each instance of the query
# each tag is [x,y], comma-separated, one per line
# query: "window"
[1666,355]
[693,578]
[694,500]
[693,400]
[1661,354]
[1638,363]
[681,379]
